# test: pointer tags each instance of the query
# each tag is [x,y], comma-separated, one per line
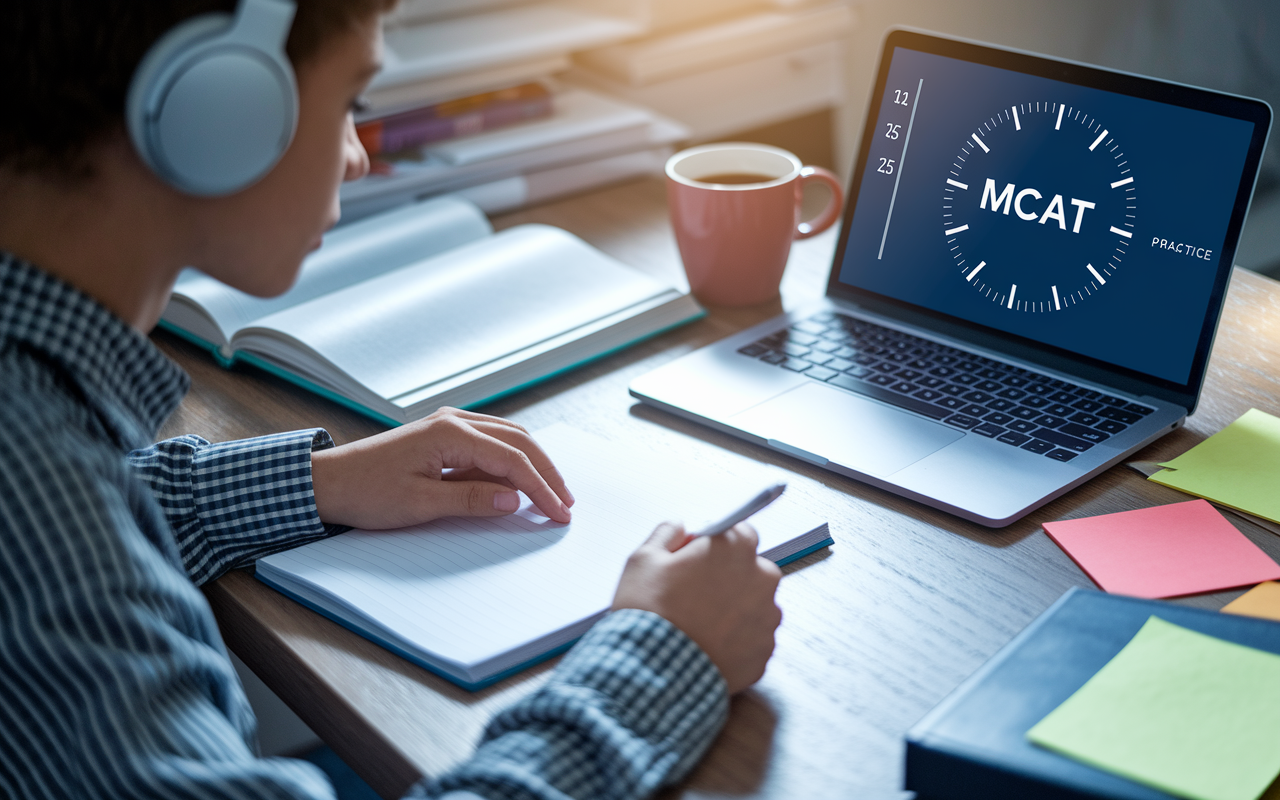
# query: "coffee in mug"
[735,208]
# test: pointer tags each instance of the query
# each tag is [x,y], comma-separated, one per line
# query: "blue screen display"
[1076,217]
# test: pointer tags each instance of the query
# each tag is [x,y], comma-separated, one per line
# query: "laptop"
[1031,268]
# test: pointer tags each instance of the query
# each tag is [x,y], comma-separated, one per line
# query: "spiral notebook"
[476,600]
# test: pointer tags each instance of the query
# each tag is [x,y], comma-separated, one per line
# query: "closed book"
[461,117]
[973,745]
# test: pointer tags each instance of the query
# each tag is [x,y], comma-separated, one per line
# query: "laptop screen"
[1087,219]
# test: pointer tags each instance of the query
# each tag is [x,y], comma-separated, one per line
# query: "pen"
[748,508]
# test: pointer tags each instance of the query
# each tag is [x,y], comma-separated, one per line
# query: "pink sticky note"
[1166,551]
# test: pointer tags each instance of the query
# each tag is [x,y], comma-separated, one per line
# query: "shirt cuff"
[630,709]
[254,497]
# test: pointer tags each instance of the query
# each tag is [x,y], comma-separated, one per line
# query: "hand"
[452,463]
[715,589]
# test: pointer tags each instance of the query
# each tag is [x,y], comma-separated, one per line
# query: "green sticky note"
[1238,467]
[1189,714]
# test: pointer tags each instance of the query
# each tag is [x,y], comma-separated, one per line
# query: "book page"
[409,329]
[468,590]
[350,254]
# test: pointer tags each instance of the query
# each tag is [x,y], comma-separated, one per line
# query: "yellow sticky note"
[1238,467]
[1190,714]
[1262,600]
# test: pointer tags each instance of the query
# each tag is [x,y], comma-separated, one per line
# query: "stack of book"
[511,102]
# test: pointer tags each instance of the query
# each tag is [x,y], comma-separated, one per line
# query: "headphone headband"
[214,104]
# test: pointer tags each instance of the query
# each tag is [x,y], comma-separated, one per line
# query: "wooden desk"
[877,629]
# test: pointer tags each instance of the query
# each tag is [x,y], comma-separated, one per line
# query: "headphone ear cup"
[209,113]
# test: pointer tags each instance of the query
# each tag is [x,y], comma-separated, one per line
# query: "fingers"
[473,499]
[669,536]
[504,452]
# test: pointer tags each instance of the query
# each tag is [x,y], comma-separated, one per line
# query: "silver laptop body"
[981,361]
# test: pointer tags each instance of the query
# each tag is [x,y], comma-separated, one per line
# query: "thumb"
[471,499]
[669,536]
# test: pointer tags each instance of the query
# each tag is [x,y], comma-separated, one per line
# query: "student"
[114,681]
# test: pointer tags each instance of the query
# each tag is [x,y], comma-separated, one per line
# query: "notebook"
[1031,268]
[476,600]
[396,315]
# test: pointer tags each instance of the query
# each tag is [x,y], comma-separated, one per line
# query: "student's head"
[65,70]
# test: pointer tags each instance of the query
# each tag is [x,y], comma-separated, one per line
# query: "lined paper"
[466,591]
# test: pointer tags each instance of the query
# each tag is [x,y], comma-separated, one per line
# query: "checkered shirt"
[114,681]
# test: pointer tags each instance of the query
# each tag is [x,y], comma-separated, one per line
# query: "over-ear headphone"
[214,103]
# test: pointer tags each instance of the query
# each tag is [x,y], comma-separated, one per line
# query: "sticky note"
[1238,467]
[1165,551]
[1187,713]
[1262,600]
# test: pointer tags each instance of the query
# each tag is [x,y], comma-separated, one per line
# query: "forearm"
[630,709]
[232,503]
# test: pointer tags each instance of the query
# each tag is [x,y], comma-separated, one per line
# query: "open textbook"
[477,599]
[425,306]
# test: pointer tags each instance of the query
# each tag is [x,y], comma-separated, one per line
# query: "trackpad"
[846,429]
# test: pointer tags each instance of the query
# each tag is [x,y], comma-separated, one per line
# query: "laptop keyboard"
[1016,406]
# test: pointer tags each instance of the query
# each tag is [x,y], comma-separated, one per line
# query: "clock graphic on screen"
[1039,208]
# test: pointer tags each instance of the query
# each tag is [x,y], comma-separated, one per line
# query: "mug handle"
[829,214]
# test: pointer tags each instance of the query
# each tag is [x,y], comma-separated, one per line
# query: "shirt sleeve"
[629,710]
[232,503]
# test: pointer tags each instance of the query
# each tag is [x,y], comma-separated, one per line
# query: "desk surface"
[877,629]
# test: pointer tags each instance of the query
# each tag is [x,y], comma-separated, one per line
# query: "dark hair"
[65,66]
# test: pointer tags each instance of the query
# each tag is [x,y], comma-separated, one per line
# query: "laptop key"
[1081,432]
[845,351]
[893,399]
[753,350]
[774,358]
[1062,397]
[928,395]
[857,371]
[1012,394]
[1015,439]
[1048,421]
[973,410]
[1022,426]
[827,346]
[800,337]
[1016,381]
[1111,426]
[796,364]
[1119,415]
[809,326]
[794,350]
[961,421]
[988,430]
[885,366]
[1060,455]
[1000,404]
[1063,440]
[818,358]
[987,386]
[952,389]
[821,373]
[1058,410]
[951,403]
[905,387]
[1035,402]
[1084,419]
[1087,406]
[1088,394]
[978,397]
[997,418]
[965,380]
[1039,388]
[931,382]
[909,374]
[1113,401]
[1137,409]
[942,372]
[882,380]
[1038,446]
[1022,412]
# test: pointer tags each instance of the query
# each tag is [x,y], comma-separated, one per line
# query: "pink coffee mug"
[735,207]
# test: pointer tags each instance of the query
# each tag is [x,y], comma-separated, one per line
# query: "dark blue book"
[973,745]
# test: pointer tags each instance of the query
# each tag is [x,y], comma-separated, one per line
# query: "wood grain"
[877,629]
